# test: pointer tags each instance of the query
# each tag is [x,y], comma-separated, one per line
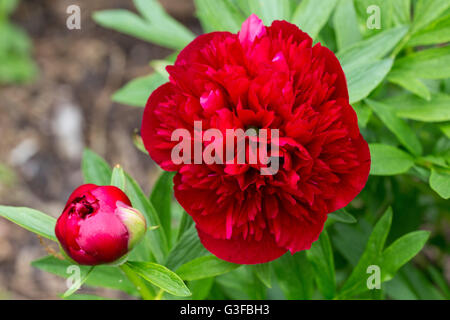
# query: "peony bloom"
[263,78]
[98,225]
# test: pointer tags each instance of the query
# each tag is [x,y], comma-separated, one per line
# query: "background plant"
[398,79]
[16,65]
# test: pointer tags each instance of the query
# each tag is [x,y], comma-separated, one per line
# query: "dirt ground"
[45,125]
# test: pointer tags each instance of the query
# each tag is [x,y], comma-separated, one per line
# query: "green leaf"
[401,251]
[431,63]
[406,81]
[32,220]
[312,15]
[270,10]
[362,80]
[388,160]
[321,257]
[264,273]
[418,281]
[363,112]
[155,239]
[397,126]
[161,198]
[356,282]
[342,215]
[95,169]
[435,33]
[438,278]
[205,267]
[414,108]
[346,24]
[295,276]
[201,288]
[137,91]
[218,16]
[187,248]
[439,182]
[102,276]
[118,178]
[350,240]
[373,48]
[77,285]
[154,13]
[401,11]
[427,11]
[131,24]
[161,277]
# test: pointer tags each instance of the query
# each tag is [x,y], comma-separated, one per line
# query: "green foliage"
[32,220]
[16,65]
[400,91]
[204,267]
[160,276]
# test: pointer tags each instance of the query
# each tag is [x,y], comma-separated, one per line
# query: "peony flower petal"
[251,29]
[237,250]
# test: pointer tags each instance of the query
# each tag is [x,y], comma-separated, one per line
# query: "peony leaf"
[187,248]
[346,24]
[118,178]
[401,251]
[270,10]
[410,83]
[95,169]
[161,198]
[201,288]
[32,220]
[342,215]
[295,276]
[154,13]
[388,160]
[155,239]
[136,92]
[397,126]
[373,48]
[264,273]
[218,15]
[160,276]
[356,282]
[431,63]
[102,276]
[362,80]
[321,257]
[205,267]
[427,11]
[435,33]
[131,24]
[75,287]
[440,182]
[312,15]
[411,107]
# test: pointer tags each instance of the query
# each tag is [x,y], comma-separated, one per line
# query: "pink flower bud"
[98,225]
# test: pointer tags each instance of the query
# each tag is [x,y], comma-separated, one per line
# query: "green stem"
[159,295]
[400,45]
[138,282]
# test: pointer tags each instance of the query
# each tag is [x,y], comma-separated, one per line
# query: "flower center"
[84,206]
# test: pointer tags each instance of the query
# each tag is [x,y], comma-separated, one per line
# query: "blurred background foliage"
[16,65]
[398,77]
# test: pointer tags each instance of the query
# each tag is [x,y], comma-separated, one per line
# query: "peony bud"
[98,225]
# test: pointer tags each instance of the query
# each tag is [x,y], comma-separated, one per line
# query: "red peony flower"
[263,78]
[98,225]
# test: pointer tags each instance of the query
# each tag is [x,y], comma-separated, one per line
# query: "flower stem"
[138,282]
[159,295]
